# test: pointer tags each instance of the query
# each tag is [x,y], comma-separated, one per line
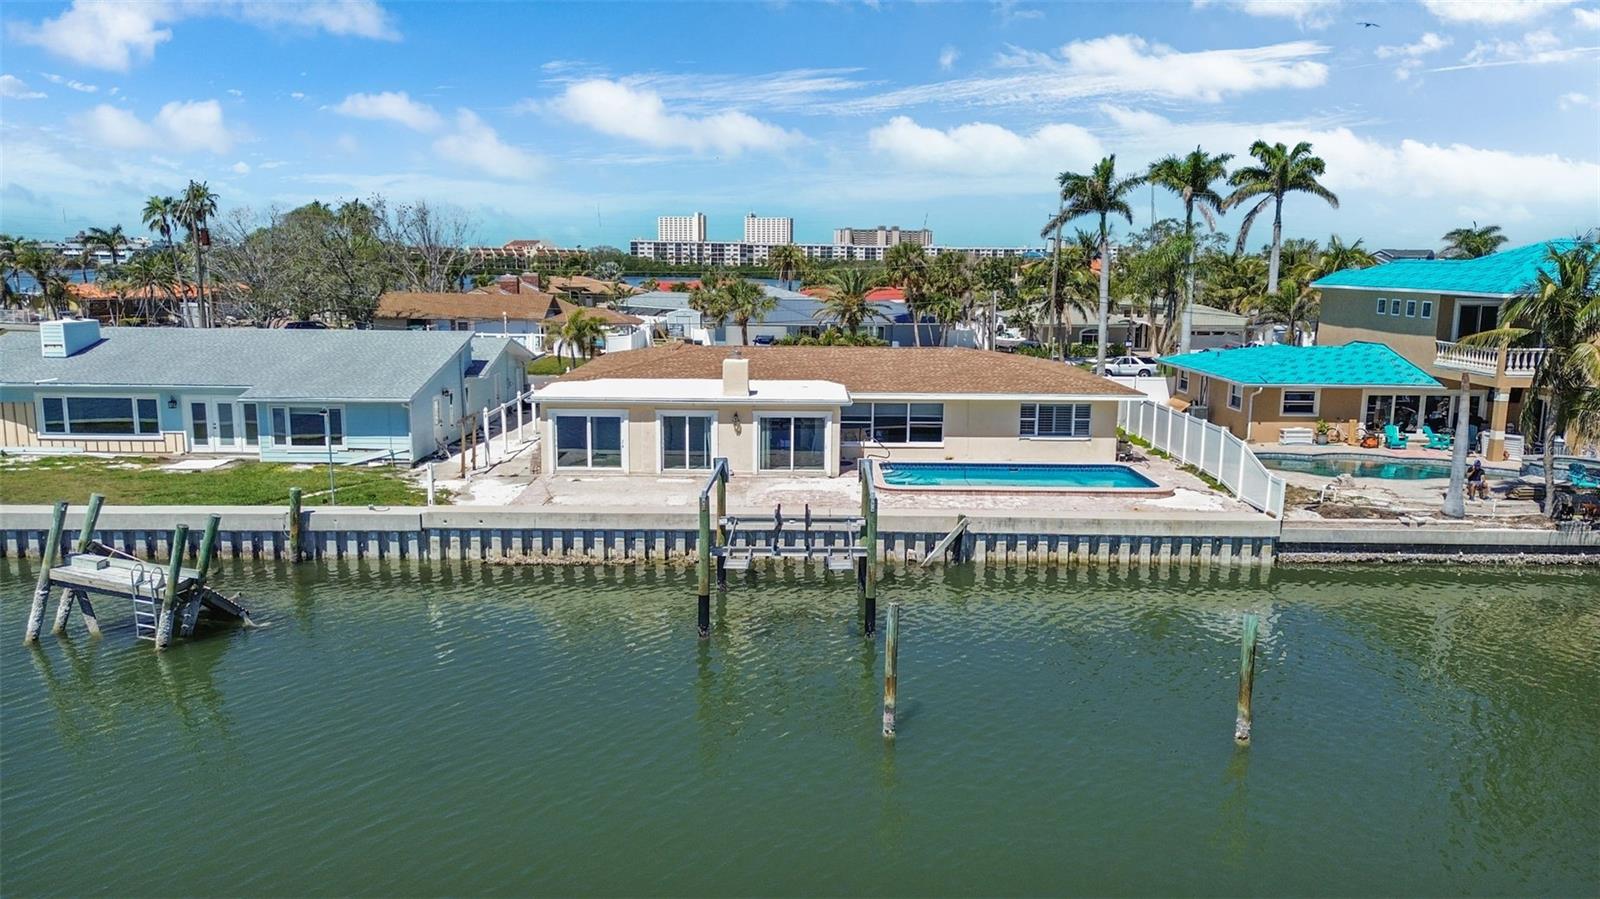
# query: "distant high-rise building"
[768,230]
[881,236]
[681,227]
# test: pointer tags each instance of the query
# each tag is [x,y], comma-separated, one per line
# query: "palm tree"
[1102,194]
[84,258]
[160,215]
[112,241]
[950,287]
[582,332]
[787,261]
[1279,172]
[195,210]
[905,265]
[709,300]
[148,273]
[747,302]
[1234,281]
[998,277]
[1315,264]
[847,304]
[1561,310]
[1470,243]
[1191,177]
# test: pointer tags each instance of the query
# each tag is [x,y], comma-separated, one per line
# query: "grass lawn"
[553,365]
[134,481]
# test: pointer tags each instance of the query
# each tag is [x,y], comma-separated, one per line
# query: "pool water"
[1388,470]
[1003,475]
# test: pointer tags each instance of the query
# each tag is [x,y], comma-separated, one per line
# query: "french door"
[221,426]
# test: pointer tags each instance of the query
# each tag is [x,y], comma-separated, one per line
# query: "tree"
[949,289]
[425,246]
[847,304]
[149,274]
[582,332]
[649,284]
[111,240]
[44,266]
[1101,194]
[787,261]
[1152,267]
[709,300]
[1278,172]
[160,215]
[1191,177]
[998,277]
[1234,281]
[905,265]
[1315,264]
[197,206]
[1470,243]
[747,302]
[1560,310]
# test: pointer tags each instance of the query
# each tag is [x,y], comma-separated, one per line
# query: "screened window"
[302,427]
[99,416]
[893,423]
[794,444]
[1299,402]
[588,441]
[1236,395]
[1055,420]
[1411,308]
[1394,306]
[1383,305]
[686,441]
[1427,309]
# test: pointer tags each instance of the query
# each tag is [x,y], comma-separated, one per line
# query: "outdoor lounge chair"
[1437,440]
[1392,438]
[1579,477]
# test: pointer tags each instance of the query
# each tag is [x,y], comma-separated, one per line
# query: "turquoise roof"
[1499,274]
[1357,364]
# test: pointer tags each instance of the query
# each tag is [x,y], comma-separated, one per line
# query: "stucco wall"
[1341,408]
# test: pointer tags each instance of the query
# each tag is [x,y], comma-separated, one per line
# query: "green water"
[403,730]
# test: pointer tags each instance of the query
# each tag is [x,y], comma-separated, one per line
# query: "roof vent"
[67,337]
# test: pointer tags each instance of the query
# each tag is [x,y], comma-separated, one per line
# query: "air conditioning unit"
[1200,411]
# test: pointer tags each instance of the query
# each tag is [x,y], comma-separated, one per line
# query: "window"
[1402,410]
[893,423]
[1383,305]
[1236,396]
[1183,382]
[1474,318]
[1427,309]
[302,427]
[198,426]
[1411,308]
[252,425]
[1394,306]
[588,441]
[85,416]
[1299,402]
[686,441]
[798,443]
[1055,420]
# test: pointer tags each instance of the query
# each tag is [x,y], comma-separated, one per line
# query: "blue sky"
[581,122]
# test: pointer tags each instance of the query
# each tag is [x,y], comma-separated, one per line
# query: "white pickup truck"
[1131,366]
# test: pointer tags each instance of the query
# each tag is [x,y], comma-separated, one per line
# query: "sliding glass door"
[686,441]
[794,443]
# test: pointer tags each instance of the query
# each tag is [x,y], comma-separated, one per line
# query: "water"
[403,729]
[1396,470]
[966,474]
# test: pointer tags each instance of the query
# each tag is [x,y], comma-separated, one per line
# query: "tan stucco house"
[814,410]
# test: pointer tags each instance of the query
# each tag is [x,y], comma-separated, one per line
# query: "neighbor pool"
[1386,469]
[1005,475]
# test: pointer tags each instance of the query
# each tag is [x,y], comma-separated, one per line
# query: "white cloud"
[982,148]
[179,125]
[1410,55]
[1011,11]
[1586,18]
[297,95]
[114,35]
[1535,48]
[1491,12]
[13,88]
[1116,65]
[614,108]
[235,92]
[1305,13]
[241,167]
[78,86]
[476,145]
[948,57]
[1576,100]
[703,93]
[393,106]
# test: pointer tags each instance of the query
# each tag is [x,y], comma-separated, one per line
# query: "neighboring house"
[1422,308]
[796,315]
[1137,329]
[530,318]
[1391,255]
[1257,391]
[267,393]
[808,410]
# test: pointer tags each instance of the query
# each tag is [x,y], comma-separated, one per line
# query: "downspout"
[1250,412]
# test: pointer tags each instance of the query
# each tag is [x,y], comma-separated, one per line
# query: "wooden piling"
[169,600]
[208,550]
[41,590]
[295,535]
[891,666]
[70,597]
[869,613]
[1247,679]
[722,528]
[703,549]
[90,516]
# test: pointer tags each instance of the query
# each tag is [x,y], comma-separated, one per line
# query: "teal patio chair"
[1579,477]
[1392,438]
[1437,440]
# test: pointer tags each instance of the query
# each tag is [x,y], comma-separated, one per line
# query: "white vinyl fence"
[1211,448]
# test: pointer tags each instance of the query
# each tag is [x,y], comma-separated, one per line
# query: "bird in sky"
[1369,24]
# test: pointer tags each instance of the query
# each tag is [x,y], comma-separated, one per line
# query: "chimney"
[531,280]
[507,283]
[735,376]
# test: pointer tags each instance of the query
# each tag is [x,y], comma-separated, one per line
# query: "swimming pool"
[1364,467]
[1014,476]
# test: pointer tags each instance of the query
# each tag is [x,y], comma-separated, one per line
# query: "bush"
[552,365]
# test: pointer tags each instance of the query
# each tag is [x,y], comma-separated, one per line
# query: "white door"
[217,426]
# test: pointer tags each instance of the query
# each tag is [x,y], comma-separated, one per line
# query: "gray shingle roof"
[269,364]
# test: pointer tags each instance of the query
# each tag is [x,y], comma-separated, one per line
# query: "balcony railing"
[1516,362]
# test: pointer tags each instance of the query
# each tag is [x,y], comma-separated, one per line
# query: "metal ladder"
[146,606]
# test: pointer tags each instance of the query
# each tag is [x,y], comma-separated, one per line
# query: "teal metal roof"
[1499,274]
[1357,364]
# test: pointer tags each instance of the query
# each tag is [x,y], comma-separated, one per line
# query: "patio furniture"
[1295,437]
[1581,478]
[1437,440]
[1392,438]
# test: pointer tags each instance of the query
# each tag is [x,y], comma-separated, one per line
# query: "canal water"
[406,729]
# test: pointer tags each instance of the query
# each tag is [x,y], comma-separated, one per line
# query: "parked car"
[305,326]
[1131,366]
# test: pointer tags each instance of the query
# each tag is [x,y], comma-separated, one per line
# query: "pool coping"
[1500,469]
[1158,490]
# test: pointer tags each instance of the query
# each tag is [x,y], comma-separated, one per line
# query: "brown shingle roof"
[866,370]
[608,316]
[474,306]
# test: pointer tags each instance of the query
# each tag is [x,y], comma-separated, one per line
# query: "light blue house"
[279,395]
